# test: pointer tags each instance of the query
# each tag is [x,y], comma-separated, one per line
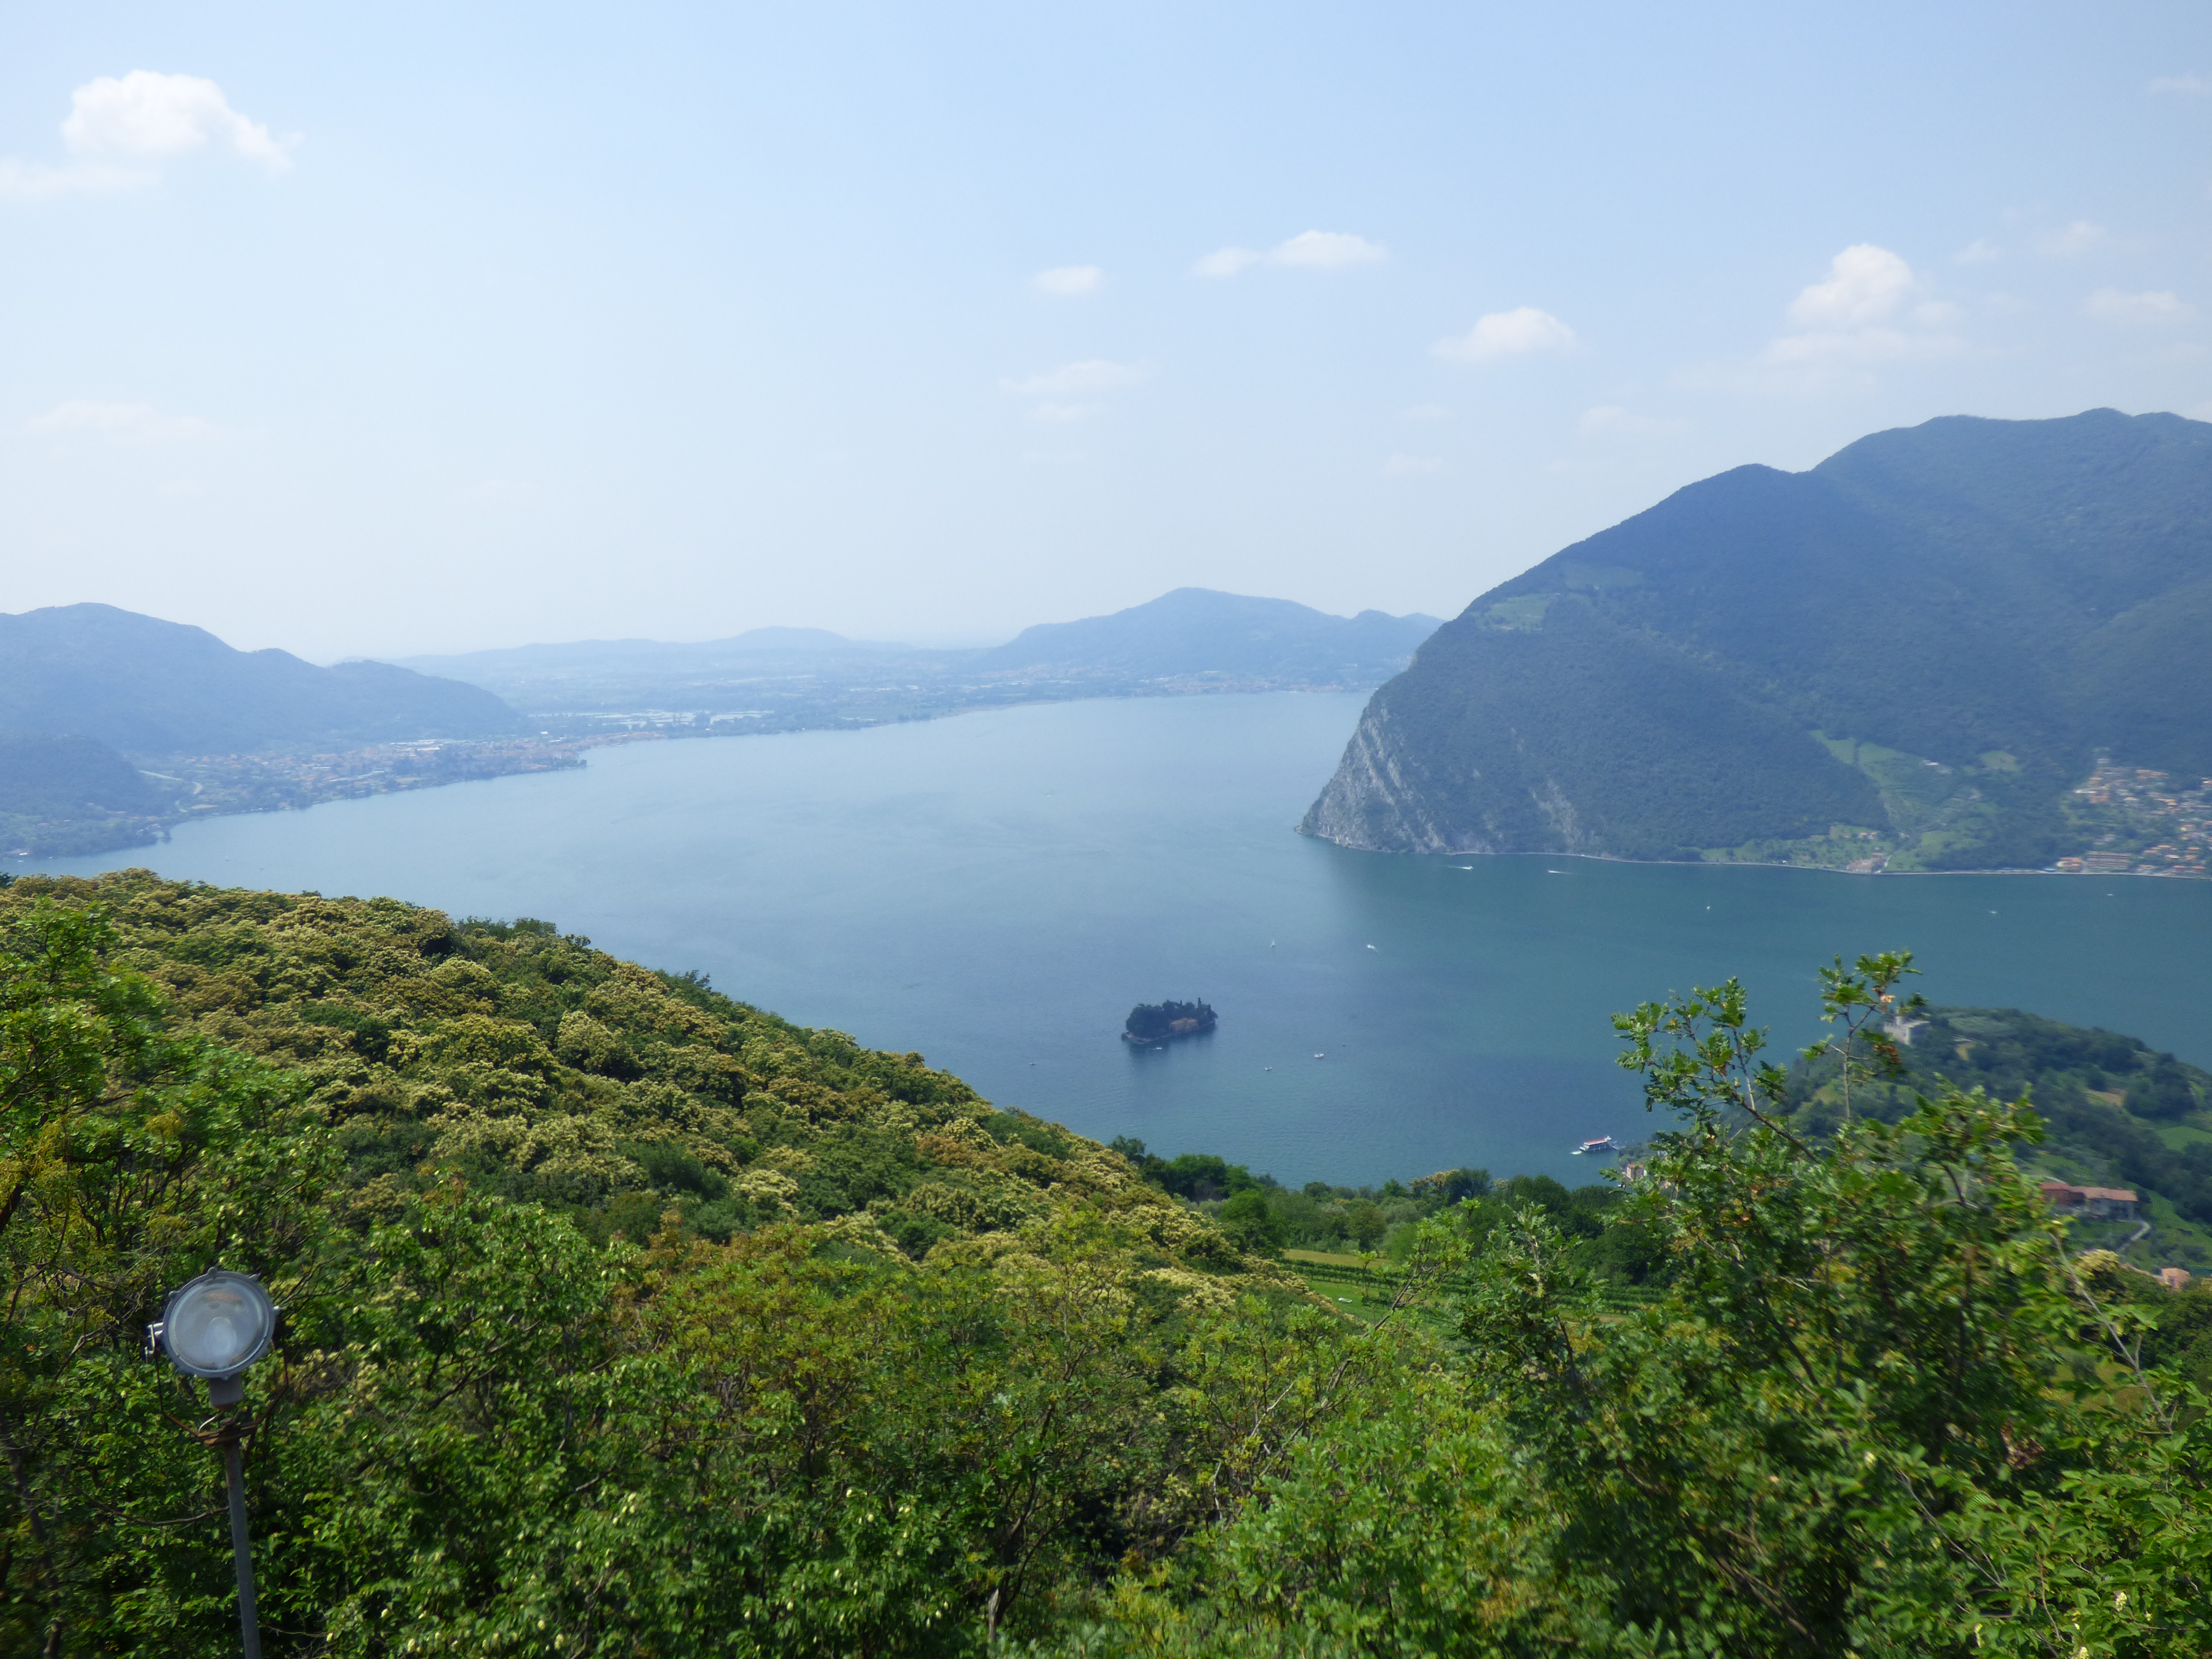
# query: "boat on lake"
[1602,1144]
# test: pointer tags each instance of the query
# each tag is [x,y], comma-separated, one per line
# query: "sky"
[375,331]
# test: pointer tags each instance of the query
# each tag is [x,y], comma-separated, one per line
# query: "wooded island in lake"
[1157,1022]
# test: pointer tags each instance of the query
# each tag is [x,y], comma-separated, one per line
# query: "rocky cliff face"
[1371,804]
[1363,805]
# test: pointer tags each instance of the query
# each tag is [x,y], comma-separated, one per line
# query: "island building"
[2096,1203]
[2175,1278]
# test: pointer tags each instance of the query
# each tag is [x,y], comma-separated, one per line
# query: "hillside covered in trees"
[75,793]
[623,1319]
[114,725]
[2114,1111]
[2109,1110]
[1905,657]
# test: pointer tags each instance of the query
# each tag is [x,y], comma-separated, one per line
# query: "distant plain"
[995,890]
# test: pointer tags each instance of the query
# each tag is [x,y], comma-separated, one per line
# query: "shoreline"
[152,829]
[1763,863]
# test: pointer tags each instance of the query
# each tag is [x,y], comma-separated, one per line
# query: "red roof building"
[2096,1203]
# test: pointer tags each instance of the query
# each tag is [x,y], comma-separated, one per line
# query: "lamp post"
[214,1327]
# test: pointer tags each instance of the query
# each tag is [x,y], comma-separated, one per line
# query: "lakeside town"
[271,783]
[207,786]
[2143,824]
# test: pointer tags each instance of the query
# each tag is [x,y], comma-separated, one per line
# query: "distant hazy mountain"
[1926,639]
[589,675]
[790,678]
[1196,630]
[150,687]
[523,664]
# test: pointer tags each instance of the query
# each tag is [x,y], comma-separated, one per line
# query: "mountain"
[781,679]
[1908,654]
[586,674]
[1196,630]
[151,688]
[43,776]
[64,795]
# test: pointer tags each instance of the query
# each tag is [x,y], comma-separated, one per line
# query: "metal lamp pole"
[241,1547]
[214,1327]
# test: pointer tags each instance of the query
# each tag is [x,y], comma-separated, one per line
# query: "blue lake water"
[996,890]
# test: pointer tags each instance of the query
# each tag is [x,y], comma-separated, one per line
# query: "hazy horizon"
[956,641]
[417,332]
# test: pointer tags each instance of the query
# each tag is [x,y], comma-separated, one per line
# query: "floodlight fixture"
[214,1327]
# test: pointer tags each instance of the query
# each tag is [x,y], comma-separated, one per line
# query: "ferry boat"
[1602,1144]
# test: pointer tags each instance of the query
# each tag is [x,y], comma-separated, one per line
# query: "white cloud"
[1226,261]
[1069,282]
[1611,421]
[2186,86]
[1310,250]
[1507,334]
[143,116]
[1051,413]
[1866,284]
[116,422]
[1408,466]
[1092,375]
[1978,253]
[1325,250]
[2070,239]
[1852,317]
[120,128]
[2110,305]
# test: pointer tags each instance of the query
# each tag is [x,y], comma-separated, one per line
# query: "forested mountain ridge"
[152,688]
[1907,655]
[959,1383]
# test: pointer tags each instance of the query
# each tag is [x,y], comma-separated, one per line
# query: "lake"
[996,890]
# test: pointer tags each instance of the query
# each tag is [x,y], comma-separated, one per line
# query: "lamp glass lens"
[215,1327]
